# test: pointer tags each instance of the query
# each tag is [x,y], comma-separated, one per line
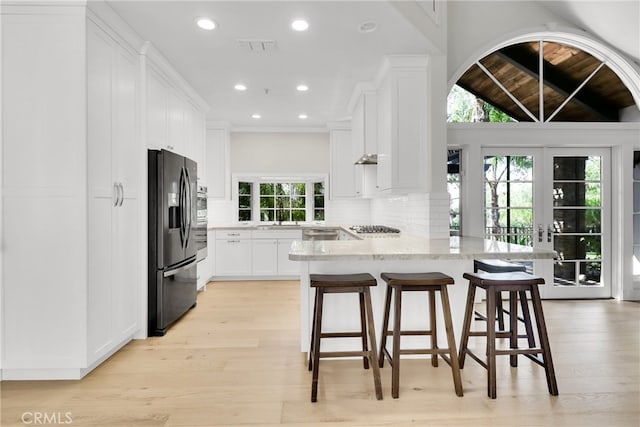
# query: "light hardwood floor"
[235,360]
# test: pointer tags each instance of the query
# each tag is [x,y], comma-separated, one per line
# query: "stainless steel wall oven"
[201,224]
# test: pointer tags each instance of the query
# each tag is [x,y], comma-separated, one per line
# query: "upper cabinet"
[402,125]
[363,126]
[175,115]
[218,163]
[342,170]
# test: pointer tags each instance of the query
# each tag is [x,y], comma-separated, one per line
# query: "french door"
[554,198]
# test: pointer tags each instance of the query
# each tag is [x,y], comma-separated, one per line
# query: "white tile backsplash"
[421,214]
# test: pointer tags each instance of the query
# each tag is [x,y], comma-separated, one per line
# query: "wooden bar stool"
[497,266]
[344,283]
[430,283]
[515,283]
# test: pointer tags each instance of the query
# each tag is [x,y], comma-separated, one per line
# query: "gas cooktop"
[374,229]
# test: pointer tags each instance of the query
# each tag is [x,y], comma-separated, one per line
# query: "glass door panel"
[580,223]
[511,201]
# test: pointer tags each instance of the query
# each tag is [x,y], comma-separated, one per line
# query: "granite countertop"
[408,247]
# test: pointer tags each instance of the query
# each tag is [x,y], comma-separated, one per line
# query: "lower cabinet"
[255,253]
[265,257]
[286,267]
[233,257]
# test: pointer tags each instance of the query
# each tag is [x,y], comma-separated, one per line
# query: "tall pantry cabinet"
[72,168]
[114,158]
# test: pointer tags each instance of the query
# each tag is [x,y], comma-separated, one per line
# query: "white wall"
[475,25]
[279,152]
[630,114]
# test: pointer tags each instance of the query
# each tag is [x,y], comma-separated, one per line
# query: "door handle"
[540,233]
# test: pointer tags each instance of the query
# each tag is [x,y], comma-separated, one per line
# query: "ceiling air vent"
[257,45]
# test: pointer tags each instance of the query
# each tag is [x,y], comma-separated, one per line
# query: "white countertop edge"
[413,248]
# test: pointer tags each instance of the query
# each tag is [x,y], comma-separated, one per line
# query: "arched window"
[538,81]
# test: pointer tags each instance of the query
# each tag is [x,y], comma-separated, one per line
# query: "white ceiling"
[331,57]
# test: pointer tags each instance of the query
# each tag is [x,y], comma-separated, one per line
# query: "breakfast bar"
[407,254]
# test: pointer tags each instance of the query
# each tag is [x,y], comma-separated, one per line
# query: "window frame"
[256,179]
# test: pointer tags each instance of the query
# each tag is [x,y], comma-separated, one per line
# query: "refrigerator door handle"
[182,211]
[188,206]
[173,271]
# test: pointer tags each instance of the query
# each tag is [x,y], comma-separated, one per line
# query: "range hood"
[367,159]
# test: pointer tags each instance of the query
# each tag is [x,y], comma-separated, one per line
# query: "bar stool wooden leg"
[499,311]
[363,331]
[317,326]
[385,327]
[313,330]
[448,325]
[526,316]
[544,341]
[433,326]
[466,324]
[513,326]
[372,337]
[395,364]
[491,344]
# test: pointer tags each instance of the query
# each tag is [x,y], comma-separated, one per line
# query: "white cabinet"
[233,253]
[218,176]
[402,127]
[199,143]
[157,111]
[265,257]
[255,253]
[342,170]
[114,165]
[173,121]
[175,126]
[286,267]
[363,125]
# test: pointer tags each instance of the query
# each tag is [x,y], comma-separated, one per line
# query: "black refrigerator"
[172,244]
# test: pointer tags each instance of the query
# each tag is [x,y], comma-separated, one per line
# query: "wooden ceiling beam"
[559,82]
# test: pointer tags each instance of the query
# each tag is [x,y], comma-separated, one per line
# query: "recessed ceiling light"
[240,86]
[205,23]
[302,116]
[300,25]
[256,116]
[367,27]
[302,88]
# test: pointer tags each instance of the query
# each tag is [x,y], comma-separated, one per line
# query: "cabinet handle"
[540,232]
[233,241]
[233,234]
[121,194]
[549,233]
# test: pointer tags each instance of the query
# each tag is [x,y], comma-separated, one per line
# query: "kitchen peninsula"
[452,256]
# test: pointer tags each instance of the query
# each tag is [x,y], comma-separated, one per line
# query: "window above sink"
[279,200]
